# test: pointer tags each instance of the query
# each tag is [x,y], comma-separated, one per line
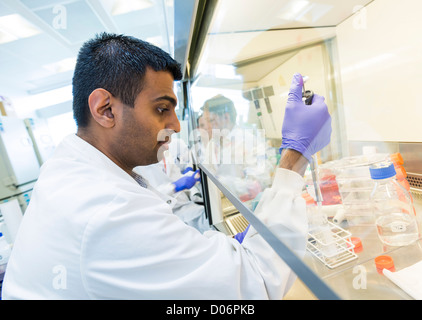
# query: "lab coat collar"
[92,155]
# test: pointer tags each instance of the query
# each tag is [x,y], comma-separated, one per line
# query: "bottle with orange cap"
[401,174]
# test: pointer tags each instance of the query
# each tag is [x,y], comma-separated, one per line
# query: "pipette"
[325,235]
[307,96]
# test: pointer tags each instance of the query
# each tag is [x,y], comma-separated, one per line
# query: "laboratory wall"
[380,63]
[375,63]
[309,62]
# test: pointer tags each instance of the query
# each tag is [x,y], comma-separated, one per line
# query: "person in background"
[200,137]
[235,154]
[93,229]
[205,127]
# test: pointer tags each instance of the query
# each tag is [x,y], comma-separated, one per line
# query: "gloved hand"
[187,170]
[306,128]
[187,181]
[241,235]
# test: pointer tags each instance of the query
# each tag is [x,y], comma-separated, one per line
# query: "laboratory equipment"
[384,262]
[307,95]
[261,93]
[11,213]
[256,95]
[357,244]
[5,251]
[220,212]
[41,139]
[355,186]
[329,189]
[19,167]
[393,210]
[320,219]
[268,92]
[329,243]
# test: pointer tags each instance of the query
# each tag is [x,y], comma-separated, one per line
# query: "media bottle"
[392,207]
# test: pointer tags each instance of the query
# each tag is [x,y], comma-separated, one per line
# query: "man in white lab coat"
[93,230]
[236,155]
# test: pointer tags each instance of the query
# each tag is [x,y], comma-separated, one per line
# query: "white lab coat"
[92,232]
[188,211]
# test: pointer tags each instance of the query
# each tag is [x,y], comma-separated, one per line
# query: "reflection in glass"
[366,67]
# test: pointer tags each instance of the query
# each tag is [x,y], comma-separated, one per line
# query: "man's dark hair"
[118,64]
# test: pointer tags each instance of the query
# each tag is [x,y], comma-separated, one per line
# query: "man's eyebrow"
[167,98]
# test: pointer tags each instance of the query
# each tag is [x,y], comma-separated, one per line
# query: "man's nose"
[174,123]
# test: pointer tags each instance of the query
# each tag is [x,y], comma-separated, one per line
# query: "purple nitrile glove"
[306,128]
[241,235]
[187,181]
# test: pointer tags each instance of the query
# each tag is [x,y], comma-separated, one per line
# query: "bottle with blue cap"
[393,209]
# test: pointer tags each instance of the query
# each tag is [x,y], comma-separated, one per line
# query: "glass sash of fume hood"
[308,277]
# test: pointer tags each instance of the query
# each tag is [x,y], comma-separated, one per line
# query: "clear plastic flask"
[393,209]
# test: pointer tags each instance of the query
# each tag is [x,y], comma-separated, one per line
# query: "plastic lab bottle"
[4,255]
[392,207]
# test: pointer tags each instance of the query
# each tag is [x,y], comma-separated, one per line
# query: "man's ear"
[101,107]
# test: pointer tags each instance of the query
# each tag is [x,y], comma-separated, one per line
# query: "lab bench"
[359,278]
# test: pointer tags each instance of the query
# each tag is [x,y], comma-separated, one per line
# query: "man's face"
[147,127]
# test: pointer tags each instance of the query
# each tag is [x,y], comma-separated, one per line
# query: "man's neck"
[97,143]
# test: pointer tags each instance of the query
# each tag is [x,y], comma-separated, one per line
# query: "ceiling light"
[61,66]
[14,27]
[125,6]
[293,9]
[313,13]
[304,11]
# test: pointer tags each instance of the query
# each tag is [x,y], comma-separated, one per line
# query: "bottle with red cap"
[392,207]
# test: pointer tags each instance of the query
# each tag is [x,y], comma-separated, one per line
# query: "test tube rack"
[344,248]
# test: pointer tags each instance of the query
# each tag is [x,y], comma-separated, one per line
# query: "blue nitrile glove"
[187,170]
[187,181]
[306,128]
[241,235]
